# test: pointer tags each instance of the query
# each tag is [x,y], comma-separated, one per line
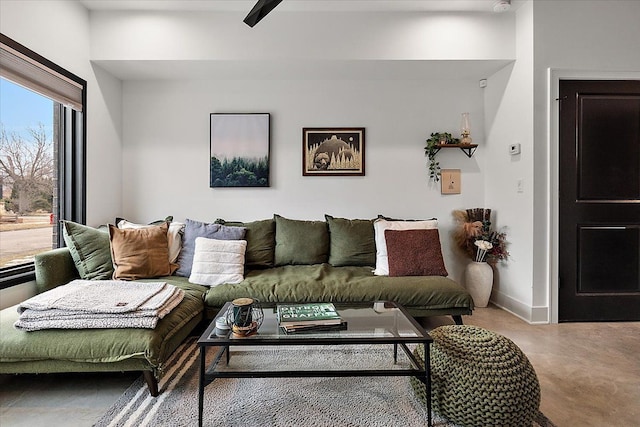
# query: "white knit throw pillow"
[218,261]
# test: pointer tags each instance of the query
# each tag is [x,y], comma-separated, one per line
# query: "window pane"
[28,174]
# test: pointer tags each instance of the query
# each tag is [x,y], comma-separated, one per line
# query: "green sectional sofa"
[284,261]
[93,350]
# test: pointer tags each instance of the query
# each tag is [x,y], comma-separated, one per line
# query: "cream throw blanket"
[84,304]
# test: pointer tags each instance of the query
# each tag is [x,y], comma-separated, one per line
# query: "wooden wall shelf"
[467,149]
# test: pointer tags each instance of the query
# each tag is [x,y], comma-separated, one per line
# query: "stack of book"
[311,317]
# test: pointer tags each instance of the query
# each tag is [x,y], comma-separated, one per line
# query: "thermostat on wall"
[514,149]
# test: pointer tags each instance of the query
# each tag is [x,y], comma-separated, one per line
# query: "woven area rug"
[260,402]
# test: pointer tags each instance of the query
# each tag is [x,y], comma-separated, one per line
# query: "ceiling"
[297,5]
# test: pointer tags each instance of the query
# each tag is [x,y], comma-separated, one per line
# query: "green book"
[308,314]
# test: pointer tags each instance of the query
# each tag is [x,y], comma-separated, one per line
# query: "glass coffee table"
[377,323]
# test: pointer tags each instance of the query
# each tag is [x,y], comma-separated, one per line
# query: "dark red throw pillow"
[414,253]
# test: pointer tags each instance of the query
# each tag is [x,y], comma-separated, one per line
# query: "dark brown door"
[599,228]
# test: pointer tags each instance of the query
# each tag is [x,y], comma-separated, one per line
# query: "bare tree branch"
[27,163]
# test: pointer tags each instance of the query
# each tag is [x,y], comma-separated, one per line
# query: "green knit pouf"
[479,378]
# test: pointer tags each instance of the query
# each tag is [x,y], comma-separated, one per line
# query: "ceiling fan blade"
[260,10]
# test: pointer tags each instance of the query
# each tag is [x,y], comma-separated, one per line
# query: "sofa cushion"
[261,241]
[93,345]
[323,282]
[352,242]
[380,225]
[301,242]
[218,261]
[140,253]
[414,253]
[176,229]
[194,229]
[89,248]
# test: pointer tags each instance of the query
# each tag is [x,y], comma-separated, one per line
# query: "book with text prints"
[308,314]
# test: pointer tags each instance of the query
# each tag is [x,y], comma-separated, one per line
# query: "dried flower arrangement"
[475,238]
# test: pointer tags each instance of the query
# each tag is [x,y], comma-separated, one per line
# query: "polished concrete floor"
[589,375]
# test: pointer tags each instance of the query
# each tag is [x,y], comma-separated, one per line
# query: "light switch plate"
[450,181]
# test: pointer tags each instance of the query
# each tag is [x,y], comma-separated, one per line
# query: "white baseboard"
[532,315]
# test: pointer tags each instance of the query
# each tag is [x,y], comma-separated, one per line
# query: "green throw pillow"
[301,242]
[90,250]
[261,241]
[352,242]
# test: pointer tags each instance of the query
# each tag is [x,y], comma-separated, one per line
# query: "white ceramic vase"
[478,278]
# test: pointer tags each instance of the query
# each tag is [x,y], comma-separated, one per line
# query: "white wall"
[509,118]
[166,116]
[166,149]
[144,35]
[104,147]
[59,31]
[594,38]
[589,38]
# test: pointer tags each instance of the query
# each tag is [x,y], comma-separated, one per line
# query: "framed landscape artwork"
[333,151]
[239,150]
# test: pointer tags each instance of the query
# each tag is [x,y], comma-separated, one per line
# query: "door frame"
[554,75]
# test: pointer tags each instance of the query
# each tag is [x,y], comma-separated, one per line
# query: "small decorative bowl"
[221,323]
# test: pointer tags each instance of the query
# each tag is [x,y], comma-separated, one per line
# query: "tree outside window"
[27,174]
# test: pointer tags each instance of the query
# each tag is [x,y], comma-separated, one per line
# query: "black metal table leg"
[201,384]
[427,371]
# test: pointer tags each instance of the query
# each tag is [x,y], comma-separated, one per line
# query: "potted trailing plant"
[431,149]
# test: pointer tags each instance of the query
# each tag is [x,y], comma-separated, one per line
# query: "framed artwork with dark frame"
[239,150]
[333,151]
